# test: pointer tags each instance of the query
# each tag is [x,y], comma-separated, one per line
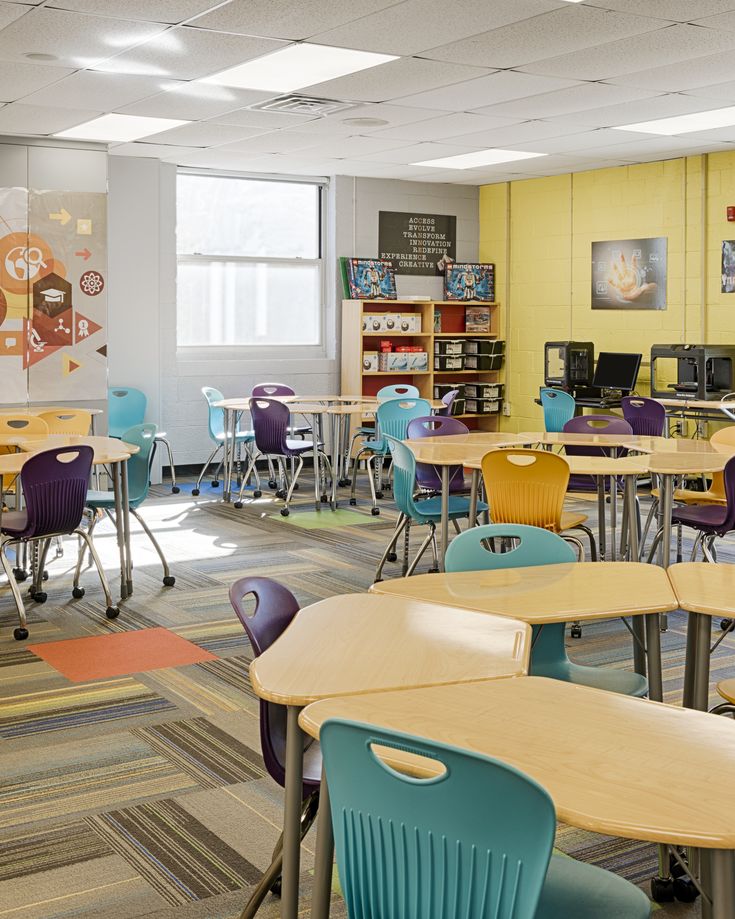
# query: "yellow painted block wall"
[539,234]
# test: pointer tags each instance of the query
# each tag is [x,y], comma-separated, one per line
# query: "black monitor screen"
[616,371]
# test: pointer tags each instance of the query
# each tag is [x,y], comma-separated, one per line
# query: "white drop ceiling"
[540,76]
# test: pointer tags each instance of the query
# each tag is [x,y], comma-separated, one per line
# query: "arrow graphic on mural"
[63,216]
[84,253]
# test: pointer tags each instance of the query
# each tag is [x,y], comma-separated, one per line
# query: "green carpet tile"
[146,795]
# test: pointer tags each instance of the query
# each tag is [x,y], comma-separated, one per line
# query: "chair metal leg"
[299,466]
[36,590]
[195,490]
[400,527]
[457,527]
[577,545]
[434,553]
[590,535]
[708,548]
[168,579]
[21,632]
[112,611]
[695,546]
[654,545]
[252,469]
[406,547]
[422,549]
[649,520]
[174,487]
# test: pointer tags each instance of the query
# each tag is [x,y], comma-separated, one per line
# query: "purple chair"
[280,389]
[592,424]
[710,521]
[646,417]
[54,484]
[428,478]
[270,425]
[275,607]
[448,400]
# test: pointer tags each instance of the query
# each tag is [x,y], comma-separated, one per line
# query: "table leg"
[722,882]
[322,893]
[601,516]
[292,815]
[653,650]
[125,499]
[664,520]
[227,455]
[474,488]
[639,632]
[444,536]
[335,434]
[702,626]
[315,419]
[119,526]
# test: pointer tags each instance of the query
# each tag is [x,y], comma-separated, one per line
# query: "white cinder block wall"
[142,348]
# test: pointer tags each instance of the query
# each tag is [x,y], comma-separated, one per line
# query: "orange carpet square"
[81,659]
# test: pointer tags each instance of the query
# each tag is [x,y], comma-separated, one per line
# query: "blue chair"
[425,513]
[473,841]
[392,418]
[558,408]
[470,552]
[216,421]
[393,391]
[139,468]
[125,409]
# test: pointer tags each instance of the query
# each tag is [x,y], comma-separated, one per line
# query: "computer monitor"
[616,371]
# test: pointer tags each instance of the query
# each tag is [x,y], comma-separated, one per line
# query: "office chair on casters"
[275,607]
[218,436]
[126,409]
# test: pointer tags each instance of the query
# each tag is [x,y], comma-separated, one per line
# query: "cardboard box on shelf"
[369,361]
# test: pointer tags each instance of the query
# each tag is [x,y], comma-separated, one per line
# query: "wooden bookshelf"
[355,341]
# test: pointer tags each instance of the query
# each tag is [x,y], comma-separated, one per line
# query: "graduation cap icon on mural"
[52,295]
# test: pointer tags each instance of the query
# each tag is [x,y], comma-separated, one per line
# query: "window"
[249,262]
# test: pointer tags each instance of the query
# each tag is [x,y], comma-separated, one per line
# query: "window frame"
[272,350]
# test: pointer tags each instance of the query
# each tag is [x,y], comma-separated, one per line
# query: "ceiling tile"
[156,151]
[194,101]
[276,142]
[415,153]
[18,80]
[415,25]
[632,112]
[445,126]
[569,29]
[675,10]
[585,140]
[394,115]
[40,120]
[102,91]
[665,46]
[188,54]
[394,79]
[652,149]
[204,134]
[702,71]
[218,158]
[9,12]
[510,136]
[567,101]
[168,11]
[485,91]
[76,40]
[725,21]
[269,121]
[720,92]
[286,19]
[356,146]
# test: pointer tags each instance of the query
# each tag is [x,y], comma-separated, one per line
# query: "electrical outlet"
[506,408]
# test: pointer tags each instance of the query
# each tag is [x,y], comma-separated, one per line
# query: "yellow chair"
[726,690]
[13,425]
[67,421]
[528,487]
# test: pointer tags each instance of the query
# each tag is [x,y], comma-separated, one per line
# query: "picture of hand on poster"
[629,274]
[728,266]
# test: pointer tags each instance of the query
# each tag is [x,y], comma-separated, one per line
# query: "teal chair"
[139,467]
[216,425]
[534,546]
[472,842]
[392,418]
[559,407]
[426,512]
[125,408]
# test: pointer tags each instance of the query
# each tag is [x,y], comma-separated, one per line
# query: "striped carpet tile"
[73,706]
[208,754]
[175,853]
[71,844]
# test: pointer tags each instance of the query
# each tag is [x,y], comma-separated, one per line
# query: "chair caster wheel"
[662,890]
[379,495]
[112,612]
[343,482]
[258,493]
[44,577]
[353,502]
[272,483]
[195,492]
[727,625]
[433,571]
[576,631]
[375,511]
[20,634]
[169,580]
[391,557]
[296,486]
[175,489]
[684,890]
[215,483]
[31,591]
[285,512]
[40,596]
[237,504]
[324,499]
[281,493]
[276,888]
[20,574]
[77,593]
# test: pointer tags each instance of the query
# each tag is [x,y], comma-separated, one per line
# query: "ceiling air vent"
[303,105]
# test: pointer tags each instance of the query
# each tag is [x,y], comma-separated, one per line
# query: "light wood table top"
[579,440]
[701,587]
[680,463]
[365,643]
[41,409]
[697,403]
[308,405]
[679,445]
[545,593]
[106,449]
[600,755]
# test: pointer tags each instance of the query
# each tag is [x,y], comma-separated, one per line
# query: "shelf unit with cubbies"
[360,338]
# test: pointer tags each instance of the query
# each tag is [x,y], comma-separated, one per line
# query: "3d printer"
[700,371]
[568,364]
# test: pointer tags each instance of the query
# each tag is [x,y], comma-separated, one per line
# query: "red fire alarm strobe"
[731,213]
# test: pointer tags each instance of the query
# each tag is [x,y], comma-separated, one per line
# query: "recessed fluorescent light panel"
[120,128]
[684,124]
[297,66]
[478,158]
